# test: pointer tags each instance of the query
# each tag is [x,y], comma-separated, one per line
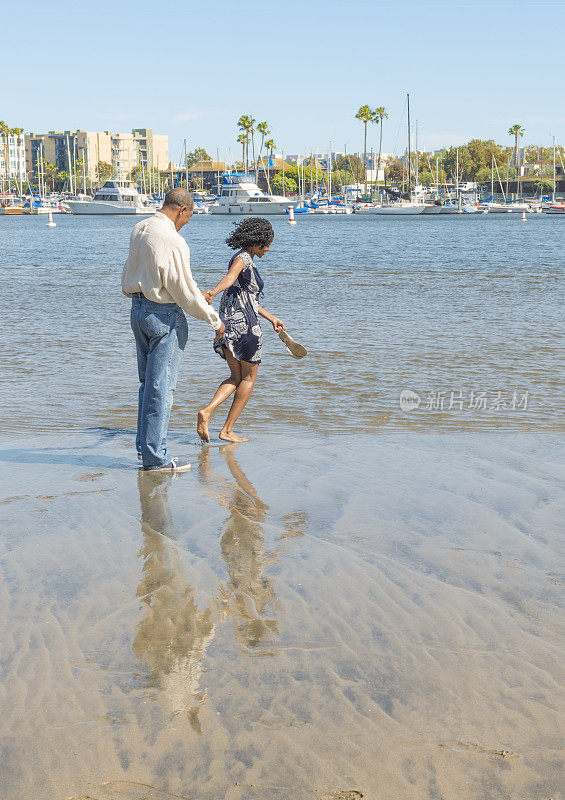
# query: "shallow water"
[465,312]
[297,616]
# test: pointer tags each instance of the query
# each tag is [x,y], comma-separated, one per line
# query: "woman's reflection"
[174,633]
[248,595]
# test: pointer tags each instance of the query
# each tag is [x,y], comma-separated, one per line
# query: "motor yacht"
[117,196]
[241,195]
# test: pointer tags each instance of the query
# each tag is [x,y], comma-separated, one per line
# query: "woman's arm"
[227,281]
[277,324]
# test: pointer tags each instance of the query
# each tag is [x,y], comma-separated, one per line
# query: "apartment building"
[12,161]
[139,149]
[151,148]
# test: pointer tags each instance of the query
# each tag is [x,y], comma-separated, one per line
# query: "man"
[157,277]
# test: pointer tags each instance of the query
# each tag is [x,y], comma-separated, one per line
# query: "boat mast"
[345,176]
[417,154]
[41,172]
[329,186]
[507,172]
[70,164]
[541,181]
[409,151]
[317,189]
[500,182]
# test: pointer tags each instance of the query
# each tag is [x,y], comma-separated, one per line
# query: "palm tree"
[366,115]
[52,170]
[380,114]
[270,145]
[246,123]
[263,129]
[515,131]
[241,125]
[251,132]
[242,139]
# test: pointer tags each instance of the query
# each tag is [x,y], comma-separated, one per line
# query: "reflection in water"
[243,549]
[174,633]
[248,593]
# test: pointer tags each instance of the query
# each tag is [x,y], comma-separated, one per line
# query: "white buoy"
[51,224]
[291,220]
[524,216]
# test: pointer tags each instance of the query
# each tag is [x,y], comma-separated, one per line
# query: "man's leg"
[167,334]
[181,332]
[142,348]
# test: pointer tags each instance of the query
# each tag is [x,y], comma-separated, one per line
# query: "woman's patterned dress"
[239,312]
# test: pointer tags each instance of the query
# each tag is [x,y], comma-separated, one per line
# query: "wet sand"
[302,616]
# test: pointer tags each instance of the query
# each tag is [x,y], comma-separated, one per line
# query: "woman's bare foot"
[231,437]
[202,426]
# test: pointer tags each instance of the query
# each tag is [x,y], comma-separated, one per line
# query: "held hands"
[208,296]
[278,325]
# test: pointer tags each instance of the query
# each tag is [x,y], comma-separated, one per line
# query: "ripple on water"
[433,306]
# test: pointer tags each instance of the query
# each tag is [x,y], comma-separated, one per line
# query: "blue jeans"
[161,334]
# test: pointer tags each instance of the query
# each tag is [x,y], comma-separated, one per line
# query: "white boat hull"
[555,210]
[102,207]
[392,210]
[511,208]
[44,210]
[11,210]
[247,209]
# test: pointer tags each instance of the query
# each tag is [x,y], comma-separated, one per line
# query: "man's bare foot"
[231,437]
[202,426]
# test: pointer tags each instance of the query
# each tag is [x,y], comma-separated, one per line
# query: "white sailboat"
[414,204]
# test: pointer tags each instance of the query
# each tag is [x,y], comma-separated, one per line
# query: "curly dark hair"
[253,231]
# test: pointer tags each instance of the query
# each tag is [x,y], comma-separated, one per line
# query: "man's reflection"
[248,594]
[174,633]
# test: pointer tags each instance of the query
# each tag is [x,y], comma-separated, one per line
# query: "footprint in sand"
[89,476]
[477,748]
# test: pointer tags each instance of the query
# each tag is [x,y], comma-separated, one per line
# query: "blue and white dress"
[240,314]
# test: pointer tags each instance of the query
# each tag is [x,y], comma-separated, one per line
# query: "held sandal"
[296,350]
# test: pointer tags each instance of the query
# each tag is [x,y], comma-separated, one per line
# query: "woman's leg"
[225,388]
[242,395]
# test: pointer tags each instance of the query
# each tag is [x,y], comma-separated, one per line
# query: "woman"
[241,343]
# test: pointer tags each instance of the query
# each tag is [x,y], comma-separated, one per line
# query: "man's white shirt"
[158,265]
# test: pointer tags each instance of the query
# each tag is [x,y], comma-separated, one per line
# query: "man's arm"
[179,283]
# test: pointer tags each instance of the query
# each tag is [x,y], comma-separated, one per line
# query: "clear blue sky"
[191,69]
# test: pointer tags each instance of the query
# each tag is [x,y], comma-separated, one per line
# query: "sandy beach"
[304,616]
